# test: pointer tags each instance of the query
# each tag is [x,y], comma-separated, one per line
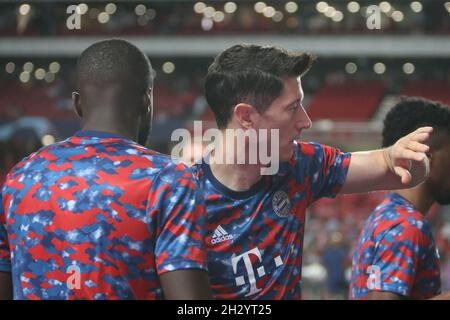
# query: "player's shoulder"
[400,220]
[28,161]
[306,155]
[152,158]
[175,171]
[312,150]
[308,148]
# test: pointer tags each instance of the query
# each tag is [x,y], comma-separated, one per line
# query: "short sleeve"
[323,168]
[5,257]
[396,260]
[180,239]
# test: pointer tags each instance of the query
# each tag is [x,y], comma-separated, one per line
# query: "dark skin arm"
[383,295]
[6,292]
[443,296]
[189,284]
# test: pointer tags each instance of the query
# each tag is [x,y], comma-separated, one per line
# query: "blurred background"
[359,75]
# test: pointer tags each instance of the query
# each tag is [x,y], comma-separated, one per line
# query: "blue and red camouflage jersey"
[98,216]
[396,253]
[255,237]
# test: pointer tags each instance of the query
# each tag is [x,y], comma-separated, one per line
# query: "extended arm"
[6,292]
[400,166]
[189,284]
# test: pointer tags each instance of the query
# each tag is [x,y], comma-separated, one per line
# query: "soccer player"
[256,222]
[98,216]
[396,256]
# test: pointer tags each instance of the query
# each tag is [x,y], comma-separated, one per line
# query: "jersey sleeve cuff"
[180,265]
[5,266]
[393,288]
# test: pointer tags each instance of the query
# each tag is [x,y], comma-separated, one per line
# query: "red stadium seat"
[349,101]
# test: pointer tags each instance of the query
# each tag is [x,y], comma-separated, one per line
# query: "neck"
[237,177]
[419,197]
[111,127]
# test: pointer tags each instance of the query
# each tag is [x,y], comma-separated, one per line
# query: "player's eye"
[296,105]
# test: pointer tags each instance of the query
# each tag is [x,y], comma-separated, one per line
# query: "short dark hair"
[251,74]
[114,60]
[412,113]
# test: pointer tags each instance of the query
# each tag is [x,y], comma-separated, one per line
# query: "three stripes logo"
[220,235]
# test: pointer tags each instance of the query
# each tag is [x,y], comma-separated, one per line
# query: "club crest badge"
[281,204]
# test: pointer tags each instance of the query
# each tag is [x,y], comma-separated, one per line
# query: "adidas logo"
[220,235]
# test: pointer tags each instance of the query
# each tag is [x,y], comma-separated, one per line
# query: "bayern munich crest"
[281,204]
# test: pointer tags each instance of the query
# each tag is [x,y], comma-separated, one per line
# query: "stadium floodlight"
[140,9]
[385,7]
[168,67]
[351,68]
[25,9]
[409,68]
[39,74]
[278,16]
[54,67]
[416,6]
[353,7]
[219,16]
[322,6]
[49,77]
[207,24]
[259,7]
[230,7]
[291,7]
[48,139]
[199,7]
[338,16]
[397,16]
[110,8]
[28,66]
[209,12]
[150,14]
[330,12]
[103,17]
[269,12]
[82,8]
[379,68]
[10,67]
[24,76]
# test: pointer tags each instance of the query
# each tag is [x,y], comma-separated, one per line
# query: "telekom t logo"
[240,280]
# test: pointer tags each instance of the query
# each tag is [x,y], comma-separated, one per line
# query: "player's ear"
[243,113]
[146,103]
[77,104]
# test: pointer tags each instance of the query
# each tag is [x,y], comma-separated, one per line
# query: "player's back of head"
[250,74]
[411,113]
[116,66]
[114,61]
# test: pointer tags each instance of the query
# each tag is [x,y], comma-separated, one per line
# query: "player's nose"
[304,122]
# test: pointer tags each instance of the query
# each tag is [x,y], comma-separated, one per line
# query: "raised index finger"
[424,130]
